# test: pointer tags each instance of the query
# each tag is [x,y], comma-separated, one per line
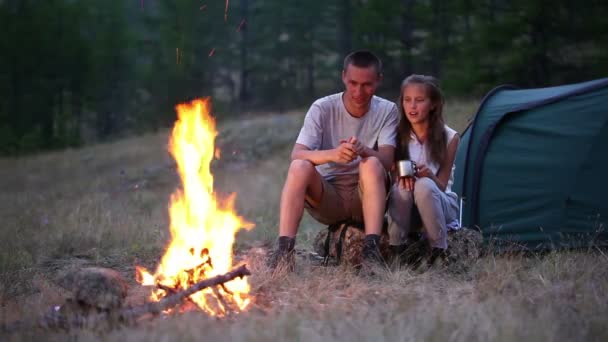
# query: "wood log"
[55,319]
[464,247]
[95,287]
[351,244]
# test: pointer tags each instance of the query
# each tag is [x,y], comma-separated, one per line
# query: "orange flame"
[202,228]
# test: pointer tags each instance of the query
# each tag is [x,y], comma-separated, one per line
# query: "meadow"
[106,205]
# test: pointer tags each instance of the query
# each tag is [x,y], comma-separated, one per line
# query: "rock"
[464,247]
[96,287]
[351,246]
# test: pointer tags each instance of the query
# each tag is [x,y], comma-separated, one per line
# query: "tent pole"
[460,211]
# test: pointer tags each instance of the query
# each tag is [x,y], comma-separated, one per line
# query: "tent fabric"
[531,166]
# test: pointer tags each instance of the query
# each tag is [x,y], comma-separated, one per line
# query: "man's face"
[360,84]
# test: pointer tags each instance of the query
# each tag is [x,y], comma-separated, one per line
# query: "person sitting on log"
[340,160]
[425,139]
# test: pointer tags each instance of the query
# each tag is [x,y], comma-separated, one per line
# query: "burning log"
[55,319]
[174,299]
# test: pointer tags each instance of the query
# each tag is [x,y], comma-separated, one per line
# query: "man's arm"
[344,153]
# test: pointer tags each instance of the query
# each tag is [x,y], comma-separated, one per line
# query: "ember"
[202,228]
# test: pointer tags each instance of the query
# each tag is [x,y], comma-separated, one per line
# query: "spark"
[211,52]
[226,10]
[243,22]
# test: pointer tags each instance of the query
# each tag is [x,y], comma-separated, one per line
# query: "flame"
[202,227]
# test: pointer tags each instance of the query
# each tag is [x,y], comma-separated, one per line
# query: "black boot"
[437,255]
[370,255]
[283,256]
[398,255]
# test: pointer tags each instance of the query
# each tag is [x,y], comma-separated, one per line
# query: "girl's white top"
[420,153]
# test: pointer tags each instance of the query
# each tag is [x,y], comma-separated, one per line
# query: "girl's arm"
[445,169]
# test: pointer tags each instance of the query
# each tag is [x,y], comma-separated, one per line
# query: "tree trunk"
[407,39]
[244,72]
[344,30]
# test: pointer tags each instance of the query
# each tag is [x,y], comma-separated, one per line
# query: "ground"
[106,206]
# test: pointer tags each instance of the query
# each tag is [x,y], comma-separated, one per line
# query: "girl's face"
[416,103]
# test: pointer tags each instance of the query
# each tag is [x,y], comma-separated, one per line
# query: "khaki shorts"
[341,200]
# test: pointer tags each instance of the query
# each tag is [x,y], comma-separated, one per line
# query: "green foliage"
[76,71]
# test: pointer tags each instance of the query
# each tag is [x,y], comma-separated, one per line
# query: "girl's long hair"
[437,140]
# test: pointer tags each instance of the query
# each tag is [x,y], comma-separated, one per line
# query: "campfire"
[202,226]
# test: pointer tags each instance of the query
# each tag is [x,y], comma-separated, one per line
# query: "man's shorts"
[341,200]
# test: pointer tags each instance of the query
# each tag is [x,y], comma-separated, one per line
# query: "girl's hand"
[424,171]
[407,183]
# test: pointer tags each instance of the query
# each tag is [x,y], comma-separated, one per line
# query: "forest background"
[76,72]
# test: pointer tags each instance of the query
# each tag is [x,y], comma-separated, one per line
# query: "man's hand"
[359,147]
[345,153]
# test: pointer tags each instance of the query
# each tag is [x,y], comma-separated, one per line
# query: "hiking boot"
[437,256]
[370,255]
[283,257]
[280,259]
[410,254]
[398,255]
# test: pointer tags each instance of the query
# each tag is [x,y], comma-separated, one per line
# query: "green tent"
[532,167]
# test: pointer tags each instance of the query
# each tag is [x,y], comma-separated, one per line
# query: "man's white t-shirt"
[327,122]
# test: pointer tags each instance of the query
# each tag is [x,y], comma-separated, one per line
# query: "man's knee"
[303,169]
[371,166]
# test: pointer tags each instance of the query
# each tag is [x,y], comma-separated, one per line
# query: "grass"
[107,205]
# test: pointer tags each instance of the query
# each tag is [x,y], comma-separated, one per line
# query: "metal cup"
[406,168]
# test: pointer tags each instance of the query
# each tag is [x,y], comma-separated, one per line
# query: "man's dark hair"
[363,59]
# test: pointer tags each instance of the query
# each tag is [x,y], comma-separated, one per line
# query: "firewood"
[55,319]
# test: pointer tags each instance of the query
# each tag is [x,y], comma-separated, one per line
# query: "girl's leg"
[436,209]
[400,204]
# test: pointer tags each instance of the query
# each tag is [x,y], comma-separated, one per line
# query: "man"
[340,160]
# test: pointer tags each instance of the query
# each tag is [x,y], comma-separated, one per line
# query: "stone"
[95,287]
[464,247]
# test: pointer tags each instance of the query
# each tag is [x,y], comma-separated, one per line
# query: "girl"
[423,138]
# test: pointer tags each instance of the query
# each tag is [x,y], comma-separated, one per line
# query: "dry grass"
[106,205]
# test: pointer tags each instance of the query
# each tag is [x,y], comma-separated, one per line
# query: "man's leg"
[372,180]
[372,183]
[303,183]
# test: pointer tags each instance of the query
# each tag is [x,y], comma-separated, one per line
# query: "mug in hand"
[406,168]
